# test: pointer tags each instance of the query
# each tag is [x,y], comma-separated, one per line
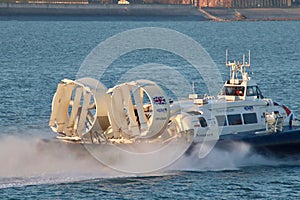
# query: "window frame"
[234,122]
[218,117]
[246,120]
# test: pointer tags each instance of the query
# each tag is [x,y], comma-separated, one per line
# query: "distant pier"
[166,10]
[99,9]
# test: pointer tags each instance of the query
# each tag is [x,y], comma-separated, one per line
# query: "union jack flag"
[160,100]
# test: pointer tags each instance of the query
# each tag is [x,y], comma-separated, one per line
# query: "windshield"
[233,90]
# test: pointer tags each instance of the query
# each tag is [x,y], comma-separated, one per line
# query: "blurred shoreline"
[253,14]
[98,9]
[215,14]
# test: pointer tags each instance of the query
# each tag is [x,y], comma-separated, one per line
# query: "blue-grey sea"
[37,52]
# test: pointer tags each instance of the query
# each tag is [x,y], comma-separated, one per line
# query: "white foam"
[27,160]
[32,161]
[220,159]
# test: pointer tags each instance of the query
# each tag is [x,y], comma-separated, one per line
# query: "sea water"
[38,52]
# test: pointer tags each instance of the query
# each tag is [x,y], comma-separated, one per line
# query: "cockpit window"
[254,91]
[251,91]
[233,90]
[259,92]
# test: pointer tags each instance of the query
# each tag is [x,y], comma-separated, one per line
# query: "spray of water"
[240,155]
[27,160]
[33,160]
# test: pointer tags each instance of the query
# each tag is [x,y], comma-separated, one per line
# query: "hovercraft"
[139,112]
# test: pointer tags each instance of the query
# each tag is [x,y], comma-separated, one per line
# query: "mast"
[237,67]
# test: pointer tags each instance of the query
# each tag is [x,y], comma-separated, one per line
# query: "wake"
[220,160]
[34,161]
[27,161]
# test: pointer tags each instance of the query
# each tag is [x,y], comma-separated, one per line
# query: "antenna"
[238,67]
[249,57]
[226,56]
[193,85]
